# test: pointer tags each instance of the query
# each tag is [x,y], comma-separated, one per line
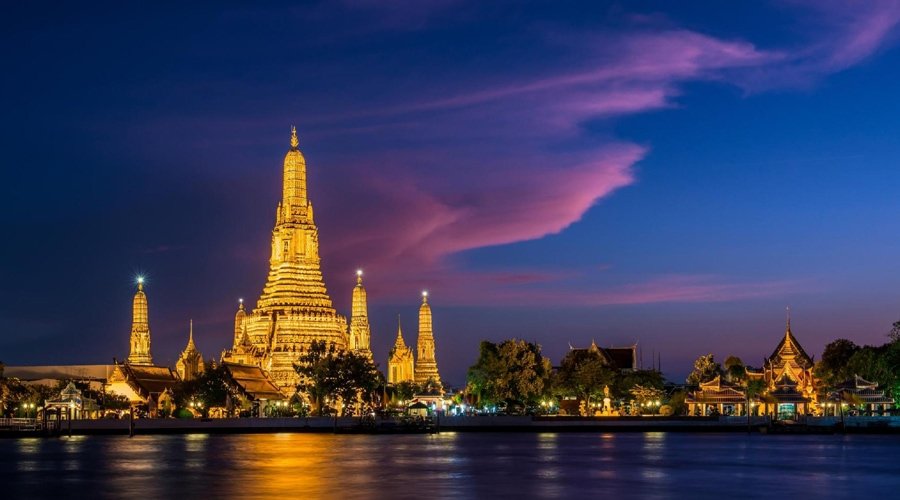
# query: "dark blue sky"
[560,172]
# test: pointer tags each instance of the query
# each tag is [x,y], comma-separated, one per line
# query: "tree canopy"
[705,369]
[585,372]
[513,371]
[328,375]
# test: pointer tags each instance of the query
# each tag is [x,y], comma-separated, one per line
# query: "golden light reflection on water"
[447,465]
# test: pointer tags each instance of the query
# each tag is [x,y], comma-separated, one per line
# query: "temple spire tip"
[295,142]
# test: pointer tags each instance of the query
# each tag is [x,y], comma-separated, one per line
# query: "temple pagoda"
[426,365]
[401,361]
[791,387]
[360,333]
[190,363]
[294,308]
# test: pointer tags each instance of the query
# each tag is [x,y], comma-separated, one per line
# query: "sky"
[663,173]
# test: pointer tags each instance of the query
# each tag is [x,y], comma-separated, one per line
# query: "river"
[461,465]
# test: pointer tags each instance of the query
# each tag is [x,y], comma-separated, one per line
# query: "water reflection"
[655,465]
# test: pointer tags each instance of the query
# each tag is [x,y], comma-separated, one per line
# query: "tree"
[895,332]
[645,378]
[513,371]
[327,375]
[481,378]
[705,369]
[833,368]
[357,381]
[871,363]
[735,371]
[584,373]
[404,391]
[210,389]
[318,374]
[643,395]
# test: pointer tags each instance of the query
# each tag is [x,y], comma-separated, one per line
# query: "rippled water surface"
[652,465]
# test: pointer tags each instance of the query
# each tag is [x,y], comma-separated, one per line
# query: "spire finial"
[294,141]
[359,276]
[787,329]
[191,332]
[399,328]
[140,282]
[241,304]
[424,296]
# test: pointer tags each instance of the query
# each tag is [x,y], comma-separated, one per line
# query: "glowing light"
[359,272]
[424,293]
[140,280]
[240,301]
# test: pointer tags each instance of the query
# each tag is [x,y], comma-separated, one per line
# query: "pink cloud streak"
[416,222]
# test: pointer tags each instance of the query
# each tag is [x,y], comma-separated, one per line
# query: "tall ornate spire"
[787,330]
[190,344]
[295,276]
[140,328]
[426,365]
[401,362]
[294,189]
[190,363]
[239,329]
[398,342]
[360,332]
[294,308]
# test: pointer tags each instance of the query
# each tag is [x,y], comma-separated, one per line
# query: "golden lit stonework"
[294,308]
[401,362]
[190,364]
[426,364]
[140,328]
[360,332]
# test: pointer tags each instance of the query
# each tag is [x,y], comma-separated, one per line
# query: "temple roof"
[191,348]
[148,379]
[856,382]
[253,381]
[622,358]
[717,391]
[789,348]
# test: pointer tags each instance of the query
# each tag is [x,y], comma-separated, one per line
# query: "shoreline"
[520,424]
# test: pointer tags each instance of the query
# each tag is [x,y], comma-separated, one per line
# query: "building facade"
[138,379]
[791,388]
[401,361]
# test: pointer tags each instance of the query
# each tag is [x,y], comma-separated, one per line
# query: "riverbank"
[823,425]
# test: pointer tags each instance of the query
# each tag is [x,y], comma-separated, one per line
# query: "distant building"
[360,333]
[401,362]
[253,388]
[140,329]
[623,359]
[862,393]
[137,378]
[426,364]
[723,397]
[190,363]
[71,403]
[791,387]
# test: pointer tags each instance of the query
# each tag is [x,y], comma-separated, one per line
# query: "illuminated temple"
[294,308]
[789,386]
[426,365]
[138,379]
